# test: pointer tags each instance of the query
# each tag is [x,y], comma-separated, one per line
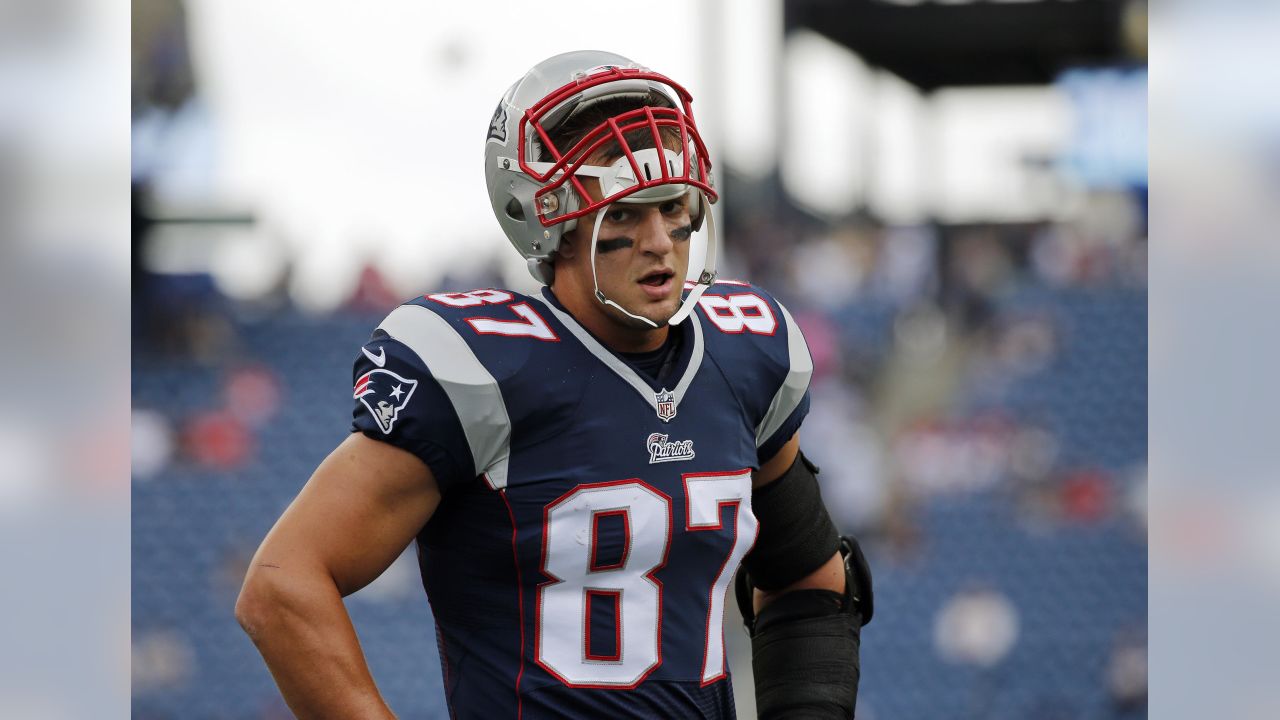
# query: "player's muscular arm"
[830,576]
[354,517]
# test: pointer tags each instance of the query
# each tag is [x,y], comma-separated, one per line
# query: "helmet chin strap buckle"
[705,278]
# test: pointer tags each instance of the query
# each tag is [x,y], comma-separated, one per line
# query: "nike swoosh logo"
[380,359]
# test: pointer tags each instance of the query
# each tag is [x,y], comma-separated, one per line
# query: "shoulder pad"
[764,355]
[440,342]
[485,321]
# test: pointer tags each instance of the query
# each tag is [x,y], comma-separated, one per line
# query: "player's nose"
[654,235]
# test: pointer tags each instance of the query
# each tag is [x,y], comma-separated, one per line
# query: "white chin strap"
[705,278]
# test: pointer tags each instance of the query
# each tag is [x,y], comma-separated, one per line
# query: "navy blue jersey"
[592,519]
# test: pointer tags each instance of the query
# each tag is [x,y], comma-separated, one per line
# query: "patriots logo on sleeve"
[385,394]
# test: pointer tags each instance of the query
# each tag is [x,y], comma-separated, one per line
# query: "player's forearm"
[304,634]
[805,646]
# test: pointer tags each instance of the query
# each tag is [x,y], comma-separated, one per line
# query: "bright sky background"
[356,135]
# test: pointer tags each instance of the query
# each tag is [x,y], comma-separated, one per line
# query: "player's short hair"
[577,126]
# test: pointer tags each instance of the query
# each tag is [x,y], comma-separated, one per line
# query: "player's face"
[642,256]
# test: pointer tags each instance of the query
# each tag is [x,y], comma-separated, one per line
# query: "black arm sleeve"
[804,656]
[796,533]
[805,644]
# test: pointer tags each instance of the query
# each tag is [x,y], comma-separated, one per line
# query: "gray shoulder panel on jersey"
[793,386]
[471,388]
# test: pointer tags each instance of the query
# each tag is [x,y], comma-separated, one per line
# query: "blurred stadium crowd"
[979,415]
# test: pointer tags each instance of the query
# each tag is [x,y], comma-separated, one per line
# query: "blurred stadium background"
[950,197]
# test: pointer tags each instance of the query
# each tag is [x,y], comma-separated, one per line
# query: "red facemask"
[690,168]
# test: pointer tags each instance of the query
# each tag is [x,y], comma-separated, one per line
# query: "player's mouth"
[657,284]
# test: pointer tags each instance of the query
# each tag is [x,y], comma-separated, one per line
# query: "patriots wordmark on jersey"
[593,516]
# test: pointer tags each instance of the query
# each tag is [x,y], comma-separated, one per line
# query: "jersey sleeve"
[419,387]
[397,401]
[790,402]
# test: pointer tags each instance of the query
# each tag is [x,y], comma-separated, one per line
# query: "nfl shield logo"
[666,405]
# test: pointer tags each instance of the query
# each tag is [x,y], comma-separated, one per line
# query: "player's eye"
[618,215]
[672,207]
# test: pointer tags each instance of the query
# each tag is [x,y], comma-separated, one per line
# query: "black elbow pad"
[796,533]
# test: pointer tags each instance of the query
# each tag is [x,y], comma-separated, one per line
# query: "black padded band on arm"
[796,533]
[804,656]
[805,643]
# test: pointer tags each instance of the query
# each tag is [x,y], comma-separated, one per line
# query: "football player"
[584,469]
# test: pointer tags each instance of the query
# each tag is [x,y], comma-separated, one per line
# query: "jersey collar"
[691,354]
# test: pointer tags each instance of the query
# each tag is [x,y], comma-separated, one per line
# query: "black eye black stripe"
[604,247]
[608,246]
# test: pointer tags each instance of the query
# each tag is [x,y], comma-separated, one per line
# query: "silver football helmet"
[534,184]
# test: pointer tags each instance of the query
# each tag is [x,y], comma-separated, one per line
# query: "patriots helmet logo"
[385,394]
[498,123]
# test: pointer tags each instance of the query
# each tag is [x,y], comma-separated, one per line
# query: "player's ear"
[567,249]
